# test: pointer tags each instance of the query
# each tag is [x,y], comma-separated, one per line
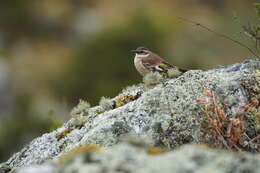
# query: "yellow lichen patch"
[257,72]
[152,86]
[203,145]
[155,150]
[63,134]
[256,119]
[78,150]
[124,99]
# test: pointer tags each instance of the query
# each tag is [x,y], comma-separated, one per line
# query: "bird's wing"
[155,63]
[169,66]
[160,67]
[154,68]
[164,69]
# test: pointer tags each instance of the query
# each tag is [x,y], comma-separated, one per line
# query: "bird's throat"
[138,56]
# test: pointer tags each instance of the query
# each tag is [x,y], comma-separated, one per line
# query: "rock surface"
[135,159]
[167,115]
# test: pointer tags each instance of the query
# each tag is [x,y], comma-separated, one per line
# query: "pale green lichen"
[79,112]
[254,115]
[257,76]
[106,103]
[172,73]
[81,108]
[152,78]
[133,87]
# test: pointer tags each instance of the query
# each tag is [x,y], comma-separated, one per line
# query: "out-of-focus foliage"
[61,51]
[104,63]
[257,6]
[22,127]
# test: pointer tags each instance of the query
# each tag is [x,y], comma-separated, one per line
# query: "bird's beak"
[134,51]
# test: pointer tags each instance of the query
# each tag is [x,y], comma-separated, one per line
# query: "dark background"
[53,53]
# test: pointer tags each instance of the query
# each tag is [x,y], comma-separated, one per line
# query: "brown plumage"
[146,61]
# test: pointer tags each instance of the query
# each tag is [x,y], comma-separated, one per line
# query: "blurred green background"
[53,53]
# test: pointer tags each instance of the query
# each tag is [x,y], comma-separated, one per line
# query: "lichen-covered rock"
[168,114]
[135,159]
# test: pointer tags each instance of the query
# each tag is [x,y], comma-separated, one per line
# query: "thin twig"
[238,149]
[251,140]
[256,46]
[220,34]
[255,138]
[247,136]
[224,142]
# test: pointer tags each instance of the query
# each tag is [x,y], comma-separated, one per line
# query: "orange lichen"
[63,134]
[124,99]
[90,147]
[77,150]
[155,150]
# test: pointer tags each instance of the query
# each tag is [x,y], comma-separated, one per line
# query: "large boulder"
[218,107]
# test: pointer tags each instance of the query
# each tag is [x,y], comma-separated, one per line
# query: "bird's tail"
[183,70]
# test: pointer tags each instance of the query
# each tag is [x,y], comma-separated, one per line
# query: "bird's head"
[141,51]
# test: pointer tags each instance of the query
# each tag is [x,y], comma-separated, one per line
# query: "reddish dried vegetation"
[226,131]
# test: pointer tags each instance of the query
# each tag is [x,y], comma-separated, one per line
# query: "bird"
[146,62]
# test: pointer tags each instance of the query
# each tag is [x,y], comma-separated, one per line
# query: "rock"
[168,115]
[135,159]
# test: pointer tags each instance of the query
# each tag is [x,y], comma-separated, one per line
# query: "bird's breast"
[140,67]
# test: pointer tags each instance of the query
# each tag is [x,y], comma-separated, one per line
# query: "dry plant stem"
[216,122]
[221,35]
[255,138]
[238,149]
[256,46]
[251,140]
[247,136]
[223,140]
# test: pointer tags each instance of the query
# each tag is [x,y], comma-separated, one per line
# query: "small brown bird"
[146,61]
